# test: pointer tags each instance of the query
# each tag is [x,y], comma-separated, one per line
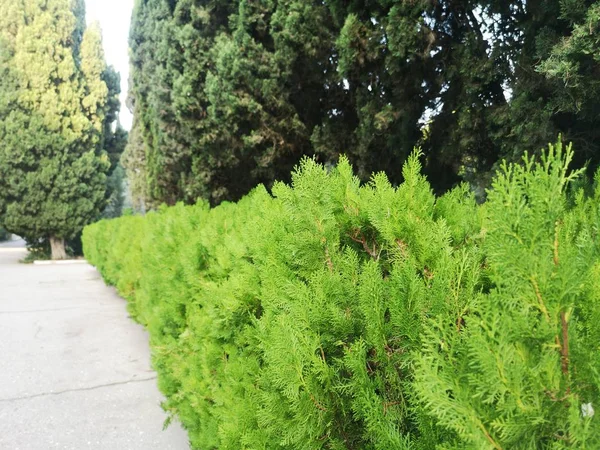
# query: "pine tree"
[52,107]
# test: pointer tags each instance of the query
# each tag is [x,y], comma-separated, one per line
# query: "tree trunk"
[58,248]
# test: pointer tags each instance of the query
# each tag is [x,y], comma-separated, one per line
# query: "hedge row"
[331,315]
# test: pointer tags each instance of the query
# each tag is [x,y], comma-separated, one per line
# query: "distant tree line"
[231,93]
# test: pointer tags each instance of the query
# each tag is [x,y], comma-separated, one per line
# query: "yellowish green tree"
[53,105]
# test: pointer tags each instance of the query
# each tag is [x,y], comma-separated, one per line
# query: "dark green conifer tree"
[115,139]
[233,92]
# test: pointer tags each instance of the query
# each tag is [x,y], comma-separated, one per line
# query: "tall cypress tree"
[231,93]
[115,139]
[172,46]
[52,110]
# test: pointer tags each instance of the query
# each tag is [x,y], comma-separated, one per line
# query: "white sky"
[114,17]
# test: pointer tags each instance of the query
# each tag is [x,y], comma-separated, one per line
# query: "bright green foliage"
[335,315]
[92,67]
[336,336]
[160,276]
[53,113]
[103,103]
[515,367]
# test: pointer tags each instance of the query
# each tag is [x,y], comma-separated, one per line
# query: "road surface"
[75,370]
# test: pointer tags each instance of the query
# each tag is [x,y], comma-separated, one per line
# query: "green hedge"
[332,315]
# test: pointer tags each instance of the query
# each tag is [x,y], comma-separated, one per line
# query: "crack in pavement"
[66,391]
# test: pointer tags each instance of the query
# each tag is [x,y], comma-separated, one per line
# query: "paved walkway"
[74,369]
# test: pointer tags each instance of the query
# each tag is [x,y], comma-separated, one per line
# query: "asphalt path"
[74,368]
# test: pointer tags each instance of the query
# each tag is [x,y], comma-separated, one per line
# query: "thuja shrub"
[335,315]
[518,366]
[349,274]
[192,283]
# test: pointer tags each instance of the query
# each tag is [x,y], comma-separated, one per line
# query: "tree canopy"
[231,93]
[57,107]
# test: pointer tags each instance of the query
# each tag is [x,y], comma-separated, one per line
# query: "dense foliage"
[58,104]
[231,93]
[115,139]
[335,315]
[3,234]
